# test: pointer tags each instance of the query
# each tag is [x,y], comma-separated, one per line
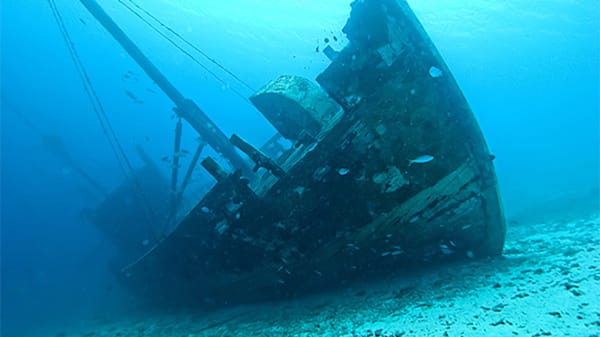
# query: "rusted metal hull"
[349,202]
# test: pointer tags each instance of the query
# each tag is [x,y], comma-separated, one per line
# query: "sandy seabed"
[547,283]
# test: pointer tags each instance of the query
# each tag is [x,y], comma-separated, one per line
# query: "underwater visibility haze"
[79,117]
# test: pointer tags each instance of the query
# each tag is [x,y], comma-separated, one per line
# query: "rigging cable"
[89,90]
[98,108]
[220,80]
[193,47]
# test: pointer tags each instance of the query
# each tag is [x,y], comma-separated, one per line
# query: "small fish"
[133,75]
[420,159]
[343,171]
[165,159]
[446,250]
[130,95]
[353,246]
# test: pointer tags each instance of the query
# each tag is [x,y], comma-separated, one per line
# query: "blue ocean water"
[529,69]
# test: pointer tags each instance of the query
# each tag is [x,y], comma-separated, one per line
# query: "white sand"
[546,284]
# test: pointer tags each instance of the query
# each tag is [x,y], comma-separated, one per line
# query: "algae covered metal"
[388,170]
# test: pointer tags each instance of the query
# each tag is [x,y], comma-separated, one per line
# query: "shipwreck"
[388,170]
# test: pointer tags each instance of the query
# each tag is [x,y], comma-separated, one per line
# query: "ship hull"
[396,174]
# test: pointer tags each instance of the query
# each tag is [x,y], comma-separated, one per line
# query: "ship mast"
[185,107]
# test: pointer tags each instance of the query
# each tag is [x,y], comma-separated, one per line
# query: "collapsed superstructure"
[346,200]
